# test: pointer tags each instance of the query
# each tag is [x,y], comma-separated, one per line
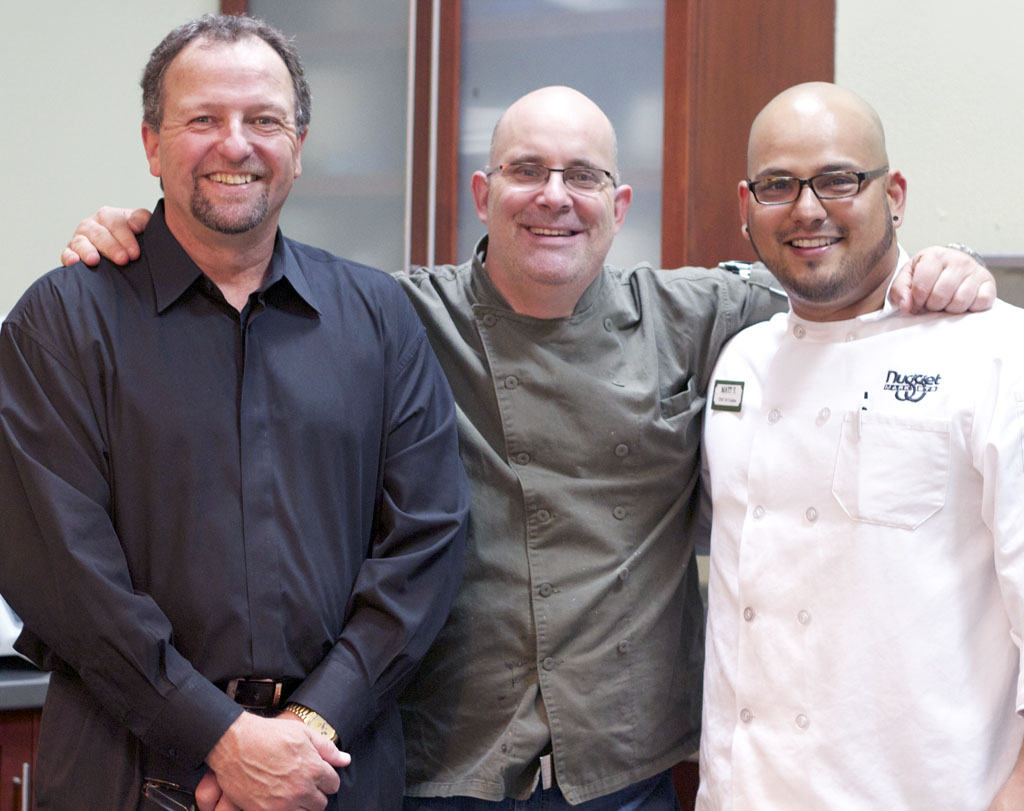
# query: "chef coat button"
[623,646]
[759,512]
[619,512]
[799,331]
[523,458]
[774,416]
[748,613]
[490,320]
[812,514]
[548,663]
[511,382]
[803,617]
[802,721]
[746,716]
[850,337]
[609,324]
[823,416]
[623,574]
[543,515]
[621,449]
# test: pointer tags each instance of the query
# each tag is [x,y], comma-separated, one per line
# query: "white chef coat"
[867,563]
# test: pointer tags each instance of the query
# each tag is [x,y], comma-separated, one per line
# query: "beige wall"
[946,76]
[70,138]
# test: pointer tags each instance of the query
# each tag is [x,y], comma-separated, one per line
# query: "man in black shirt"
[230,476]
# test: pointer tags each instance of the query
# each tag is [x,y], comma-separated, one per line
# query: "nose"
[554,193]
[807,207]
[235,145]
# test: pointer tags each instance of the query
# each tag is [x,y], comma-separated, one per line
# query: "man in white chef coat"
[866,470]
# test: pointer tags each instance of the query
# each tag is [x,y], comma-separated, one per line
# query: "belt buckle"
[232,692]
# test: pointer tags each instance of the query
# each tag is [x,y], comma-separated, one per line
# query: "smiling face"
[833,257]
[227,149]
[547,244]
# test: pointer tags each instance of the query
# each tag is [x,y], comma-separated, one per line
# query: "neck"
[236,263]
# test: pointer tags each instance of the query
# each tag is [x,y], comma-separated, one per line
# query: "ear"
[620,204]
[896,193]
[298,153]
[744,193]
[151,142]
[481,191]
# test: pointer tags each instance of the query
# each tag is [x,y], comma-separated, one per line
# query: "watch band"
[313,720]
[959,246]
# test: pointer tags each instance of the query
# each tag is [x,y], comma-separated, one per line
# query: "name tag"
[727,395]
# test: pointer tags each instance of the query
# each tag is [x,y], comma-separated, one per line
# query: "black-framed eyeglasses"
[168,795]
[580,179]
[776,191]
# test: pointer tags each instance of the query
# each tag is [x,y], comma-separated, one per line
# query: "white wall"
[70,139]
[947,78]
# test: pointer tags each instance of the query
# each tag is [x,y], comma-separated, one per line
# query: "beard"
[228,220]
[823,289]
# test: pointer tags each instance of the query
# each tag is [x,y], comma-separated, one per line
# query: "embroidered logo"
[910,388]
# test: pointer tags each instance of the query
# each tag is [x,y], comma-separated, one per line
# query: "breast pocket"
[891,470]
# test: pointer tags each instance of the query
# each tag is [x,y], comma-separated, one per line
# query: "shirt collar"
[173,271]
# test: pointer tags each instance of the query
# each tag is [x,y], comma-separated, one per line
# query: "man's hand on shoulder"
[943,279]
[111,232]
[270,764]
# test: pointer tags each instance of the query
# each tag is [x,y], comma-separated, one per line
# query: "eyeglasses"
[579,179]
[776,191]
[168,795]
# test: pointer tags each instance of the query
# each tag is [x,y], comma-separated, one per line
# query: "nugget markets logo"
[911,388]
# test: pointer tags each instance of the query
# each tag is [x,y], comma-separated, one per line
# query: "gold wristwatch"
[314,721]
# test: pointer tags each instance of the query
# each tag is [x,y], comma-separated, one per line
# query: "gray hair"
[220,28]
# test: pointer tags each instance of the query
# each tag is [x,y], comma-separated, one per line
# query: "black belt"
[259,694]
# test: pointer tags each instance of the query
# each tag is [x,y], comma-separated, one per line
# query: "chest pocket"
[891,470]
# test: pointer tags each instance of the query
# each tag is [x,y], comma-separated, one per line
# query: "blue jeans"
[653,794]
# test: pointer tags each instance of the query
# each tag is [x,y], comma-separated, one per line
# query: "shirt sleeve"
[65,572]
[406,585]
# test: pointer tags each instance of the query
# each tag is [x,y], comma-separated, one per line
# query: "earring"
[895,218]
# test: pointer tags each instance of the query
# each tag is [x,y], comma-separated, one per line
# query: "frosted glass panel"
[350,198]
[612,50]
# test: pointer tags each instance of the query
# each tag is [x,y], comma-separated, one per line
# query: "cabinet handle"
[22,788]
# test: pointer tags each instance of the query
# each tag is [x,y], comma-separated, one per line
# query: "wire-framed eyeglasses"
[579,179]
[776,191]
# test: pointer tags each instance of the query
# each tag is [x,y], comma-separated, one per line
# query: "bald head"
[555,110]
[816,110]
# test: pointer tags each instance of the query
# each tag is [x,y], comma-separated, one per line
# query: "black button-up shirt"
[191,494]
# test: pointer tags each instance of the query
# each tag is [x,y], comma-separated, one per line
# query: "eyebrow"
[533,157]
[844,166]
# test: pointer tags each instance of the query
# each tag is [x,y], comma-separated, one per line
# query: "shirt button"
[623,646]
[802,721]
[621,450]
[623,574]
[774,416]
[823,416]
[543,515]
[812,514]
[850,337]
[545,589]
[799,331]
[803,617]
[490,320]
[548,664]
[748,613]
[619,512]
[511,382]
[523,458]
[609,324]
[759,512]
[746,716]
